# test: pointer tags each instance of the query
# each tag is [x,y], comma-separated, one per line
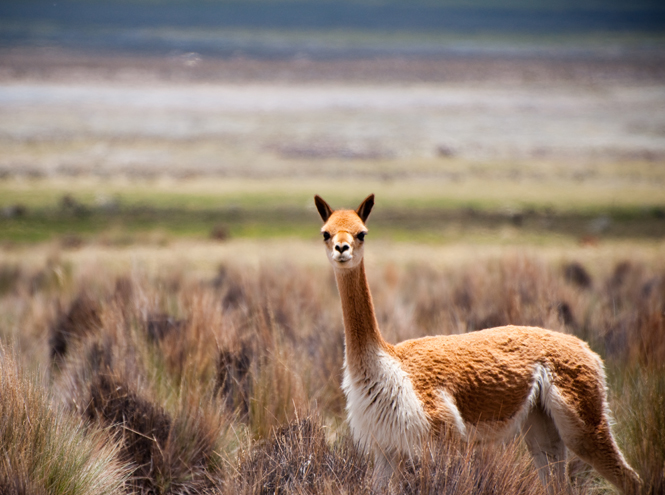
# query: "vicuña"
[487,385]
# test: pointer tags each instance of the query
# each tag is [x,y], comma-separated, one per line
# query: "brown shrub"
[139,425]
[575,273]
[220,232]
[148,390]
[630,319]
[169,455]
[9,277]
[566,316]
[296,458]
[230,286]
[161,325]
[123,291]
[232,380]
[464,468]
[14,483]
[81,319]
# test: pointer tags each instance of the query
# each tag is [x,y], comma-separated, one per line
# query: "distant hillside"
[132,24]
[471,15]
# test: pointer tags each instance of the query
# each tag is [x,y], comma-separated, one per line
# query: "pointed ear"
[365,208]
[324,209]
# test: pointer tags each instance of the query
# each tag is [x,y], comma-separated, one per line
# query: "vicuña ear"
[365,208]
[324,209]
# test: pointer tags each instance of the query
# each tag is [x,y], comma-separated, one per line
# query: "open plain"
[168,319]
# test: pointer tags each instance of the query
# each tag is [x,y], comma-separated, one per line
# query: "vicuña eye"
[326,236]
[361,236]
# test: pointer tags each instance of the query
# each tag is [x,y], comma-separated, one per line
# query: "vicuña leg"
[599,449]
[385,464]
[548,450]
[593,442]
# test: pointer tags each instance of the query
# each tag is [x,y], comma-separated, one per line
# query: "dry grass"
[46,450]
[228,381]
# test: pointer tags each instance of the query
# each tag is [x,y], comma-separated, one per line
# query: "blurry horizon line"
[321,29]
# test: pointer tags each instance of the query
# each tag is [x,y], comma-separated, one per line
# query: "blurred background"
[473,121]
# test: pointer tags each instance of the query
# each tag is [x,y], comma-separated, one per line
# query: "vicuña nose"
[342,247]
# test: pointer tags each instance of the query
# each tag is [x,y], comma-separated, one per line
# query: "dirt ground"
[64,113]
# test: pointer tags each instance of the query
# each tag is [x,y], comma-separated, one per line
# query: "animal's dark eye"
[326,236]
[361,236]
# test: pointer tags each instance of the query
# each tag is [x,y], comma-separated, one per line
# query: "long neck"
[360,325]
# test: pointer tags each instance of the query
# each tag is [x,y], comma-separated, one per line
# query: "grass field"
[123,211]
[169,323]
[201,368]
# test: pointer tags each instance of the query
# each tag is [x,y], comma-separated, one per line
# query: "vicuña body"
[490,384]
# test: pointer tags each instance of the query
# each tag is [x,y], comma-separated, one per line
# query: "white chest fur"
[382,407]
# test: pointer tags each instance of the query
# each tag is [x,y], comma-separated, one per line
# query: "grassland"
[169,323]
[124,211]
[174,362]
[207,368]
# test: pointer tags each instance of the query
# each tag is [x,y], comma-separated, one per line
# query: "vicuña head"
[344,232]
[491,384]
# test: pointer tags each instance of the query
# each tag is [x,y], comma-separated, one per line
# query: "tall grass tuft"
[230,382]
[80,319]
[640,414]
[153,392]
[452,467]
[297,458]
[45,450]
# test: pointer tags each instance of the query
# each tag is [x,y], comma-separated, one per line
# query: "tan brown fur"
[496,382]
[489,371]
